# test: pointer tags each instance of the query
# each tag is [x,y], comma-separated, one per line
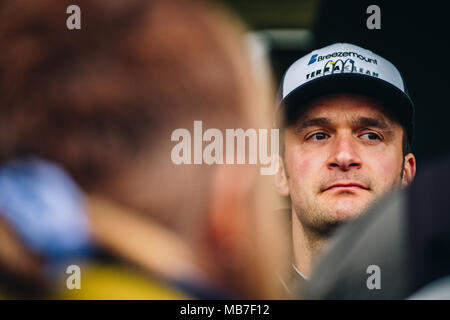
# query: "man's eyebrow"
[377,122]
[311,122]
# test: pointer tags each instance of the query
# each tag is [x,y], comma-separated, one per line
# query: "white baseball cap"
[344,67]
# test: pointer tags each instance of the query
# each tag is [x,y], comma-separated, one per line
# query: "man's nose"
[344,154]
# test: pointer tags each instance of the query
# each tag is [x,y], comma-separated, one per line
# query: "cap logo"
[340,66]
[341,54]
[313,59]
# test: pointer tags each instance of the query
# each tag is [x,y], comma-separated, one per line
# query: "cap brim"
[395,100]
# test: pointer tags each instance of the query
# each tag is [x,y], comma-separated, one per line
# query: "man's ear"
[409,169]
[281,181]
[228,219]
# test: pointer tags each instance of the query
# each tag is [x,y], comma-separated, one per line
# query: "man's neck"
[140,241]
[306,246]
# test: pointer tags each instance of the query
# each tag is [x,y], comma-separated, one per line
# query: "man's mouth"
[345,185]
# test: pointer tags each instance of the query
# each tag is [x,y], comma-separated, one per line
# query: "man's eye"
[371,136]
[317,136]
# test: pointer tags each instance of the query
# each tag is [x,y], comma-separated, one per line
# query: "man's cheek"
[301,169]
[386,172]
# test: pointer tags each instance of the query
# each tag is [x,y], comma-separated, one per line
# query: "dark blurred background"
[413,36]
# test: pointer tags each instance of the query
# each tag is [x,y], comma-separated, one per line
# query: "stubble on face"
[320,211]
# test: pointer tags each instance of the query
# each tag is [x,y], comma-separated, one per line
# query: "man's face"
[341,155]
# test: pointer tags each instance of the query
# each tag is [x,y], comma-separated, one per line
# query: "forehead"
[341,107]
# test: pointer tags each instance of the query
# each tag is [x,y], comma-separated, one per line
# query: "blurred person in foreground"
[95,109]
[346,137]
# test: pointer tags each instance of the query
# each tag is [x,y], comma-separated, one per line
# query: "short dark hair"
[93,99]
[406,145]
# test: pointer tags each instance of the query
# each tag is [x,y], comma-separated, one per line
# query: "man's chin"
[338,215]
[346,205]
[347,208]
